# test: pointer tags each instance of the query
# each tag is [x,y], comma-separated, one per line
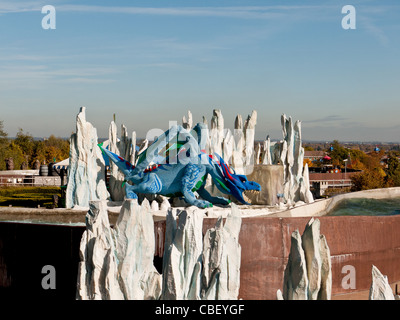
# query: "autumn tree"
[24,148]
[338,154]
[393,170]
[51,150]
[368,179]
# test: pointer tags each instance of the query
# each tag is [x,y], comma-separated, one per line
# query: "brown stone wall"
[359,241]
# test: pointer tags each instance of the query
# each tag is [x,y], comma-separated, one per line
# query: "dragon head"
[236,184]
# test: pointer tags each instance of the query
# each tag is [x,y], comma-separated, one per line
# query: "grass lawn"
[29,197]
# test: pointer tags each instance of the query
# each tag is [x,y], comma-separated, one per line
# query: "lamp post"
[345,168]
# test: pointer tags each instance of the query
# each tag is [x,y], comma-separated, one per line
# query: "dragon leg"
[215,200]
[192,178]
[151,184]
[130,191]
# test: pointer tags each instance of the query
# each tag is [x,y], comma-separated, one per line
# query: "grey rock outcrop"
[308,273]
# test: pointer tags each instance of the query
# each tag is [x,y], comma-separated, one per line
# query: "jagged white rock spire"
[124,147]
[380,288]
[117,263]
[308,274]
[290,153]
[86,172]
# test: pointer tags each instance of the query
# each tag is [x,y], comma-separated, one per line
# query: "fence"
[37,181]
[339,183]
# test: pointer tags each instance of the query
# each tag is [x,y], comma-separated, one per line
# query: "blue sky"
[151,61]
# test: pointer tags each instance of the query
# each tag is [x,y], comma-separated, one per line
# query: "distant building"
[334,178]
[314,155]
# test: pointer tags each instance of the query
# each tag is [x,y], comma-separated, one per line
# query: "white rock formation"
[239,146]
[216,132]
[221,259]
[295,281]
[249,133]
[290,153]
[196,269]
[118,263]
[97,270]
[165,204]
[380,288]
[124,147]
[86,173]
[238,149]
[182,255]
[308,274]
[135,246]
[235,148]
[187,123]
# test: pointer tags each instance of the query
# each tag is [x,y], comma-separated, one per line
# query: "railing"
[334,183]
[36,181]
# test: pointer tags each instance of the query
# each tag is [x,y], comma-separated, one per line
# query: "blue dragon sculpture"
[177,165]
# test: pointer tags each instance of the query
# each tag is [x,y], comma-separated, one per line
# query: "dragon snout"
[252,188]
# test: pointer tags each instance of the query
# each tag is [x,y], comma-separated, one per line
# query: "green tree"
[26,143]
[393,170]
[4,142]
[51,149]
[15,152]
[338,154]
[3,136]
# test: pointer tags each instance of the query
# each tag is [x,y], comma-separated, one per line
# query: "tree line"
[26,152]
[378,169]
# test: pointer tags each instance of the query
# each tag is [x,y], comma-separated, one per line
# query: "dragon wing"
[125,166]
[169,146]
[166,149]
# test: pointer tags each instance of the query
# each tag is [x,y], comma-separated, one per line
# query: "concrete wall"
[323,206]
[357,241]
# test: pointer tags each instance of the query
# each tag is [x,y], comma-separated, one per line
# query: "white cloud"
[40,76]
[242,12]
[20,6]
